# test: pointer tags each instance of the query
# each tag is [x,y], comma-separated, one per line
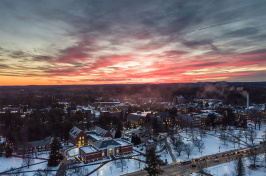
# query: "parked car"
[193,165]
[216,160]
[185,162]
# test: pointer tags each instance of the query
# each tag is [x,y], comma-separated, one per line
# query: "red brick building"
[103,148]
[78,137]
[101,144]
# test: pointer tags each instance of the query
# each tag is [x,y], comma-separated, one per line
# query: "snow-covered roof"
[101,144]
[2,140]
[88,149]
[74,131]
[95,136]
[123,143]
[99,131]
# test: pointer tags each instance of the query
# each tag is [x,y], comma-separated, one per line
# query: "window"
[102,153]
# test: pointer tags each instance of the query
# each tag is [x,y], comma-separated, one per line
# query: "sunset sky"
[62,42]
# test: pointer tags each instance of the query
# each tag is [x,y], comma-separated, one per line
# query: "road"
[184,170]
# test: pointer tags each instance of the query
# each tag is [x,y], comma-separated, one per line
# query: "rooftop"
[88,149]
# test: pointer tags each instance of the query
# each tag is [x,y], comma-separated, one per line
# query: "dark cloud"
[196,44]
[42,58]
[3,66]
[243,32]
[175,53]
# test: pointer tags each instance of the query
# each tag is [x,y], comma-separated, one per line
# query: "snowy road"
[176,169]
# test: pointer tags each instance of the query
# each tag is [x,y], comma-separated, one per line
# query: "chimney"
[247,101]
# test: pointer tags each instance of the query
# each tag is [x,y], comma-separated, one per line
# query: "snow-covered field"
[112,168]
[229,168]
[6,163]
[15,162]
[73,152]
[212,144]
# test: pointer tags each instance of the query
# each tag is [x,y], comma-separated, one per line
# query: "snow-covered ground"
[41,166]
[6,163]
[165,156]
[15,162]
[2,140]
[129,165]
[73,152]
[140,149]
[229,168]
[212,144]
[44,154]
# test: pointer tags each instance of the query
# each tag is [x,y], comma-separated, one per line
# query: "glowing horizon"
[127,42]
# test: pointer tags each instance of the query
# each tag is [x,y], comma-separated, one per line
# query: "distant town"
[167,129]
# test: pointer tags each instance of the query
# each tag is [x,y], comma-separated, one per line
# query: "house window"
[117,150]
[79,138]
[102,153]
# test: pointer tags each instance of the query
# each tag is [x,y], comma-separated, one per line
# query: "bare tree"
[239,136]
[245,134]
[253,156]
[111,169]
[188,148]
[257,118]
[180,148]
[177,142]
[199,144]
[231,131]
[201,133]
[14,172]
[27,160]
[38,173]
[264,136]
[46,172]
[223,137]
[83,171]
[191,133]
[252,135]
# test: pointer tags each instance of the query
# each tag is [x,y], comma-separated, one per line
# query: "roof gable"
[104,144]
[133,117]
[74,132]
[99,131]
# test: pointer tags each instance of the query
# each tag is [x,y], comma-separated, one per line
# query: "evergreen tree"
[240,168]
[155,126]
[137,140]
[119,129]
[118,133]
[153,162]
[8,151]
[55,156]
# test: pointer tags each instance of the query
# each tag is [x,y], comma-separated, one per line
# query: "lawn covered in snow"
[73,151]
[15,162]
[229,168]
[212,145]
[129,165]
